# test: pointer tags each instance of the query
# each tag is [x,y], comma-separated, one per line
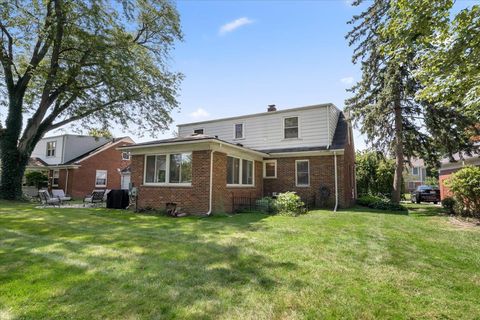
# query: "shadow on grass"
[425,210]
[361,209]
[119,264]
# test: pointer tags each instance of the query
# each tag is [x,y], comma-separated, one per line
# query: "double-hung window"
[240,171]
[302,173]
[239,134]
[101,178]
[175,168]
[55,177]
[51,146]
[270,168]
[290,128]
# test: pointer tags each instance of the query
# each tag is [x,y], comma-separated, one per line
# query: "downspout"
[211,186]
[66,182]
[336,181]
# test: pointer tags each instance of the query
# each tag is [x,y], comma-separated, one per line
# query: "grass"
[106,264]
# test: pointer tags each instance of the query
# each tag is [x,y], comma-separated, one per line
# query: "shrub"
[375,202]
[289,203]
[449,205]
[465,186]
[266,205]
[37,179]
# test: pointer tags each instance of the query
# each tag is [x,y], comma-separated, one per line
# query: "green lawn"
[97,263]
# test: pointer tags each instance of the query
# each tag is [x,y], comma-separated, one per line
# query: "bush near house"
[376,202]
[465,187]
[289,204]
[36,179]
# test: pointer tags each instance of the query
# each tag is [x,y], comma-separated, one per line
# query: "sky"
[240,56]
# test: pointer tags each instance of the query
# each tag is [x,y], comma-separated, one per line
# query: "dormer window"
[51,146]
[198,131]
[239,131]
[290,127]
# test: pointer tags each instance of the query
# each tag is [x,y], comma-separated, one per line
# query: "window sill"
[240,186]
[167,185]
[291,139]
[270,177]
[302,185]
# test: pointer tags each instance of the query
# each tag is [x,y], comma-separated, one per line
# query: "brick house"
[79,164]
[448,167]
[308,150]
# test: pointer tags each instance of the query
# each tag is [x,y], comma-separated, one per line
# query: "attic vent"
[271,108]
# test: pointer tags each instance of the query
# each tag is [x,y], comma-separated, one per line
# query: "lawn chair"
[46,200]
[96,197]
[60,194]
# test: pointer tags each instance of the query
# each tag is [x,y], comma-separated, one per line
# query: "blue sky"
[288,53]
[240,56]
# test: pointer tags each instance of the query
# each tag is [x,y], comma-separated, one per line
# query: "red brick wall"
[321,174]
[81,181]
[192,199]
[444,191]
[223,195]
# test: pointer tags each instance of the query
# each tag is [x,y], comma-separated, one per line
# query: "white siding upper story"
[67,147]
[316,127]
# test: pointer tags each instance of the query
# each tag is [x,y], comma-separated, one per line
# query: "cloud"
[199,113]
[347,80]
[233,25]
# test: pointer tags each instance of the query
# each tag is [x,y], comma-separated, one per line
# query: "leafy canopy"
[100,63]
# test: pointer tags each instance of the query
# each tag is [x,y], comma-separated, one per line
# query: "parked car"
[425,193]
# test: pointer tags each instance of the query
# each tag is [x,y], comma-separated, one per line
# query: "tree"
[374,174]
[90,63]
[389,37]
[382,102]
[444,55]
[449,66]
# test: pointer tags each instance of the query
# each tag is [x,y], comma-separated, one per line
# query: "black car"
[425,194]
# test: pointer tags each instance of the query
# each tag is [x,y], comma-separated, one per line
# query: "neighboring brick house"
[308,150]
[447,167]
[79,164]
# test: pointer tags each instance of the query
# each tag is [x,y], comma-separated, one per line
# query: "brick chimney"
[271,108]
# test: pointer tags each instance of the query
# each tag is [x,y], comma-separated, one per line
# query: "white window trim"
[296,175]
[203,130]
[298,127]
[128,155]
[106,178]
[265,169]
[241,184]
[243,131]
[53,177]
[167,173]
[54,149]
[418,171]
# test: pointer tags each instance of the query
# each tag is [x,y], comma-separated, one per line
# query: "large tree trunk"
[399,158]
[13,160]
[13,169]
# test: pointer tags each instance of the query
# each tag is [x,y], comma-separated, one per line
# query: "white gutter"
[211,186]
[336,182]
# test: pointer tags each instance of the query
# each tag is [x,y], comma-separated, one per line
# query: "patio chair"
[46,200]
[60,194]
[96,197]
